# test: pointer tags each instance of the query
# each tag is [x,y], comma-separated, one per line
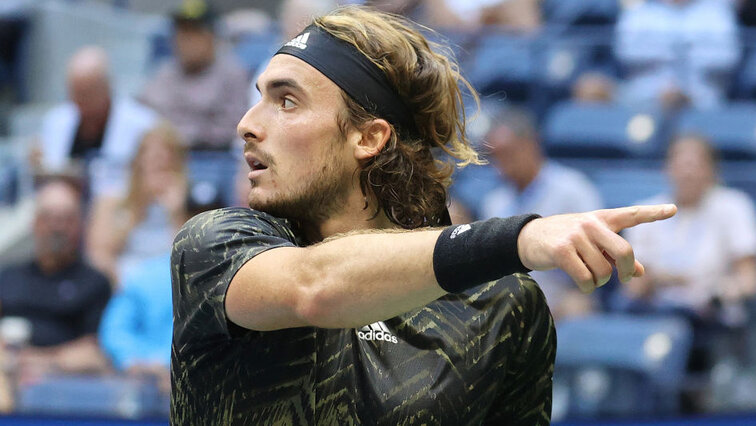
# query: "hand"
[586,245]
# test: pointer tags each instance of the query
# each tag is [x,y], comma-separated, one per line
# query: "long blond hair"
[137,200]
[409,183]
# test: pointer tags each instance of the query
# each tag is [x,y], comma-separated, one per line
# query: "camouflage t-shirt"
[483,357]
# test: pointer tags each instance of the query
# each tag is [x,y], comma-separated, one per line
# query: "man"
[716,231]
[677,52]
[339,313]
[532,183]
[201,92]
[57,292]
[701,263]
[93,125]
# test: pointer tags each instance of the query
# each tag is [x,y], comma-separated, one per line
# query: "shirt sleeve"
[207,253]
[740,226]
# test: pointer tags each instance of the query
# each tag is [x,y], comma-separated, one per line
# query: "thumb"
[639,269]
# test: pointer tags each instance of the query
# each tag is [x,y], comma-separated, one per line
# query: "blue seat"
[731,128]
[92,396]
[212,175]
[581,12]
[615,365]
[503,62]
[625,186]
[254,49]
[604,131]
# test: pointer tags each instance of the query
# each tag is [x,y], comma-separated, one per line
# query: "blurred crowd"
[115,175]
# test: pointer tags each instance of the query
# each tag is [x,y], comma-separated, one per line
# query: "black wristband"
[469,255]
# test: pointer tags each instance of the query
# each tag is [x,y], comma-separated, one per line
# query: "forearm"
[345,282]
[358,279]
[82,355]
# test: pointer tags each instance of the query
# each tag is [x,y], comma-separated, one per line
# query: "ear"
[374,137]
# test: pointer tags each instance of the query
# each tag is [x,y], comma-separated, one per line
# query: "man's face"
[509,154]
[301,165]
[690,169]
[57,223]
[195,47]
[90,94]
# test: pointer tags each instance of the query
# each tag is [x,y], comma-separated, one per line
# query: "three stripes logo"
[299,41]
[376,331]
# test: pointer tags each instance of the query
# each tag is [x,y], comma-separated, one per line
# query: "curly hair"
[409,183]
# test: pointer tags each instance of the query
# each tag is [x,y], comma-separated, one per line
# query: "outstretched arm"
[358,279]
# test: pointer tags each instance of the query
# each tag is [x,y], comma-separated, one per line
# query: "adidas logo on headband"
[299,41]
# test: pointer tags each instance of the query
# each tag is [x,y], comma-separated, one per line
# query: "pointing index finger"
[627,217]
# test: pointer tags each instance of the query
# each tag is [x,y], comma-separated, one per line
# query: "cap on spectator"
[195,13]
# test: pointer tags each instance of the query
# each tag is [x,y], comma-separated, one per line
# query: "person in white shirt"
[707,253]
[93,127]
[677,52]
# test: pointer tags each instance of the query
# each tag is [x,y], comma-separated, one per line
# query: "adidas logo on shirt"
[299,41]
[376,331]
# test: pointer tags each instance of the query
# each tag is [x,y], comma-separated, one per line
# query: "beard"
[314,201]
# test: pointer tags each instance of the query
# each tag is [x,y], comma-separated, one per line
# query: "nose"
[249,128]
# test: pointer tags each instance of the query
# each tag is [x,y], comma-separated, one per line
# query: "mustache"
[264,158]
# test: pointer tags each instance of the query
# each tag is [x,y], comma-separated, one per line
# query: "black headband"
[353,72]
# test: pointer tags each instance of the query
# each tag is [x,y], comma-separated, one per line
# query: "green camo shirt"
[482,357]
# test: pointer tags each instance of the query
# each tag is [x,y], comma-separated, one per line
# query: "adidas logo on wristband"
[458,230]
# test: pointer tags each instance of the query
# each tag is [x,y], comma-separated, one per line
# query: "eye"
[288,103]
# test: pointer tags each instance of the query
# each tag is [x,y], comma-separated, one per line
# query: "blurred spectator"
[136,329]
[677,52]
[513,15]
[533,184]
[701,265]
[140,224]
[201,91]
[747,12]
[92,125]
[593,87]
[705,255]
[60,296]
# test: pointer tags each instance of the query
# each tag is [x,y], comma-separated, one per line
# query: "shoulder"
[8,273]
[62,112]
[222,225]
[566,176]
[135,111]
[729,200]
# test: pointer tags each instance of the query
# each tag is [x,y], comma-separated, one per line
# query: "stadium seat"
[625,186]
[92,396]
[620,365]
[254,49]
[604,131]
[581,12]
[731,128]
[212,177]
[503,63]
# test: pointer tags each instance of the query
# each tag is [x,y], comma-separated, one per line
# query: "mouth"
[256,166]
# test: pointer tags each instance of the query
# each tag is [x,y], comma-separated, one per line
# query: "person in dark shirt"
[57,292]
[344,296]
